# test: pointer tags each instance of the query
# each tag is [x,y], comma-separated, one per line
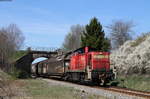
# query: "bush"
[19,74]
[23,74]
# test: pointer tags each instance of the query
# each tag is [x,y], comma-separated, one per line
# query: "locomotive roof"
[81,50]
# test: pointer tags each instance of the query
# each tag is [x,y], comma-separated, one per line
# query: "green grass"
[18,54]
[135,82]
[42,90]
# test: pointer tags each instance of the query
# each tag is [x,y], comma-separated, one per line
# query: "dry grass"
[10,87]
[5,85]
[39,89]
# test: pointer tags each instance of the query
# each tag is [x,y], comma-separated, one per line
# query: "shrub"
[19,74]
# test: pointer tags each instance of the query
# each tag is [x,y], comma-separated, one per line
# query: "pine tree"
[94,36]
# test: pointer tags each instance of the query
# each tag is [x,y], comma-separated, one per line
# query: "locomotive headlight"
[100,53]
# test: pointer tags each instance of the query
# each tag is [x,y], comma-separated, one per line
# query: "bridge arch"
[39,59]
[25,62]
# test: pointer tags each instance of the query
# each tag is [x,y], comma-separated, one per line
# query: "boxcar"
[50,67]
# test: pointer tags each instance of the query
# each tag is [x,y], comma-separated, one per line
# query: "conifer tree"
[94,36]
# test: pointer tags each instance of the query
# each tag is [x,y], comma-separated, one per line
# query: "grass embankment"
[7,85]
[40,89]
[135,82]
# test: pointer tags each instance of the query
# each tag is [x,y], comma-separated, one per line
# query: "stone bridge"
[24,63]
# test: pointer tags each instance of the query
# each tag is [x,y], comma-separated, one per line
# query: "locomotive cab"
[100,67]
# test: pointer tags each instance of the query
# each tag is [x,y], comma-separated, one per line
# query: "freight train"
[83,64]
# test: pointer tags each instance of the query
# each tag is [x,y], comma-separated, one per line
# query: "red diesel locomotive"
[88,64]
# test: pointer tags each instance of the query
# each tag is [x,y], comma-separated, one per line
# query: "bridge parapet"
[48,49]
[37,54]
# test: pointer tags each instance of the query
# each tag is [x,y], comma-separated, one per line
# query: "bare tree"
[15,36]
[73,38]
[11,39]
[120,32]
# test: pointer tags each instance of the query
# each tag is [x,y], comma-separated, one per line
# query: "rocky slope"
[133,57]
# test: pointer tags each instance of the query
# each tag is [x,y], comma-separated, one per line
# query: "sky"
[45,23]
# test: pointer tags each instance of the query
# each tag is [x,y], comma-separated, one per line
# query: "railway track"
[126,91]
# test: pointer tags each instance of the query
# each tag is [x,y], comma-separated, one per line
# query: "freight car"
[50,67]
[84,64]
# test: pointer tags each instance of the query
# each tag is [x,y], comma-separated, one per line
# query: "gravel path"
[101,92]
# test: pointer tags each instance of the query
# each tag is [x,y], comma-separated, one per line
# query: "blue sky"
[45,23]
